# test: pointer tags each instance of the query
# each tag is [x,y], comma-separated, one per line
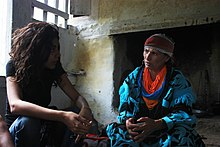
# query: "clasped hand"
[87,114]
[76,123]
[140,129]
[79,123]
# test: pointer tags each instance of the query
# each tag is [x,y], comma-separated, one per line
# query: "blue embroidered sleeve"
[128,100]
[181,94]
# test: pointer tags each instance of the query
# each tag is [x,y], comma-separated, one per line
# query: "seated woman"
[32,70]
[155,102]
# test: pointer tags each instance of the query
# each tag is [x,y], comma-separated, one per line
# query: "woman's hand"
[76,123]
[86,113]
[131,126]
[144,127]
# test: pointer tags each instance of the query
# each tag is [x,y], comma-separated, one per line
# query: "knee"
[25,127]
[26,123]
[29,123]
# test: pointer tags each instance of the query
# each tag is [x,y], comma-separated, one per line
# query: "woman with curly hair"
[32,70]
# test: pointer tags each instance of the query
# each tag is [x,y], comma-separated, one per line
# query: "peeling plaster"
[96,86]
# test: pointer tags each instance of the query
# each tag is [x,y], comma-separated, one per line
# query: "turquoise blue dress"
[175,97]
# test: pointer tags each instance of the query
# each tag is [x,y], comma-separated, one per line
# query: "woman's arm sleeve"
[181,104]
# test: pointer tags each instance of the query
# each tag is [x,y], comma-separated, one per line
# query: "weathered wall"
[97,55]
[138,15]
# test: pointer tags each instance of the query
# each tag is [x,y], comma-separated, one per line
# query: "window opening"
[52,11]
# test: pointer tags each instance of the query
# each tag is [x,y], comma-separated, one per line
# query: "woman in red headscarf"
[155,102]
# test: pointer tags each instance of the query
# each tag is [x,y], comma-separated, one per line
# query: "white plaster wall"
[130,16]
[94,53]
[95,57]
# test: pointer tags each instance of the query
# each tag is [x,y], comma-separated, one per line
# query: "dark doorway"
[193,56]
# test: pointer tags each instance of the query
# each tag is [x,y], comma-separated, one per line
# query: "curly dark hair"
[31,47]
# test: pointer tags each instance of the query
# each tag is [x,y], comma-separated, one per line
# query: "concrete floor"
[209,129]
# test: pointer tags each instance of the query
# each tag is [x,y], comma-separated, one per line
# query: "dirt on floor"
[209,129]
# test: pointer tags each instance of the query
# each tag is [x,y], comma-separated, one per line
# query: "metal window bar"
[56,16]
[66,10]
[44,11]
[55,11]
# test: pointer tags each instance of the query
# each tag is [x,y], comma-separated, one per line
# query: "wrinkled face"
[54,55]
[154,60]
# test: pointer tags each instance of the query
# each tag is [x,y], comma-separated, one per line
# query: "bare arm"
[18,106]
[76,98]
